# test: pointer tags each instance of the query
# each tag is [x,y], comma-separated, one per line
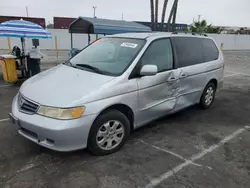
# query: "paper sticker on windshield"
[129,45]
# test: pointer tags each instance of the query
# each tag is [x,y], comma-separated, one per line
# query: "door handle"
[172,79]
[183,75]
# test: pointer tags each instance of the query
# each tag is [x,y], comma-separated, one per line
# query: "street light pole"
[199,18]
[27,12]
[94,7]
[199,22]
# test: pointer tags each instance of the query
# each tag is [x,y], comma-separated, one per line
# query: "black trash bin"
[33,66]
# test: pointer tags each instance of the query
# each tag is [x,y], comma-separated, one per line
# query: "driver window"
[159,53]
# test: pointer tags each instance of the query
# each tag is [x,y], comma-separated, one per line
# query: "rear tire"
[108,133]
[208,95]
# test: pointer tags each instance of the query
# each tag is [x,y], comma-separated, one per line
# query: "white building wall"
[231,42]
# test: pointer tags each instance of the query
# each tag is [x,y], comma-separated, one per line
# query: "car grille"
[26,106]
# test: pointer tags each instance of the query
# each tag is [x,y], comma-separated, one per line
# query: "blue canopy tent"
[104,26]
[23,29]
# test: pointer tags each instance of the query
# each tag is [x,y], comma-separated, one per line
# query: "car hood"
[62,86]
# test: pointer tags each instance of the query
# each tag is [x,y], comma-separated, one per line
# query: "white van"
[115,85]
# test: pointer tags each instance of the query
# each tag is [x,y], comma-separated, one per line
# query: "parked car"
[115,85]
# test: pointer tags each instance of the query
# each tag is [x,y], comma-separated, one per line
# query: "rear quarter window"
[210,51]
[188,51]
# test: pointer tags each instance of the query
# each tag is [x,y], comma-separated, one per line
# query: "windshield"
[110,56]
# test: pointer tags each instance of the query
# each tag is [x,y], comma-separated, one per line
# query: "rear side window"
[159,53]
[189,51]
[210,50]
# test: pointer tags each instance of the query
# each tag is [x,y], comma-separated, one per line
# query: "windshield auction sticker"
[129,45]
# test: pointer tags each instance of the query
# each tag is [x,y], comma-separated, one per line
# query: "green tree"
[199,26]
[185,30]
[213,29]
[50,26]
[203,27]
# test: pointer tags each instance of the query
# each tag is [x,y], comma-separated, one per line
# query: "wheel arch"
[214,81]
[124,109]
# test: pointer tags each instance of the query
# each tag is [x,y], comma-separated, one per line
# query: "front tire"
[108,133]
[208,95]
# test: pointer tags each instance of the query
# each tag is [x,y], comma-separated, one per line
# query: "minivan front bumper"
[59,135]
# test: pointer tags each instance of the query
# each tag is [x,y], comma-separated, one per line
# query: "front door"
[157,94]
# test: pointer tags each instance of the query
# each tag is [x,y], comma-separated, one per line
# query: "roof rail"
[176,32]
[192,33]
[201,34]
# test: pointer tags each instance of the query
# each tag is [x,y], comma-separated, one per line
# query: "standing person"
[34,57]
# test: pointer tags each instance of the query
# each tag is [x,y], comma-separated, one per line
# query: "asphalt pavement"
[193,148]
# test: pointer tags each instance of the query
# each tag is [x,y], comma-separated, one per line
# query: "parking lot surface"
[192,148]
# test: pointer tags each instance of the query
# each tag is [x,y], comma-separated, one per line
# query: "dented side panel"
[191,85]
[196,78]
[156,95]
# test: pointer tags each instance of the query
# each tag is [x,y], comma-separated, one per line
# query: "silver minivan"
[115,85]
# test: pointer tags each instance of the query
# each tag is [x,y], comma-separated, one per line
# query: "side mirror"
[149,70]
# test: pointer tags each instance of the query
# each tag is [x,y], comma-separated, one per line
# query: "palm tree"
[171,14]
[163,13]
[199,26]
[174,15]
[156,14]
[203,27]
[152,14]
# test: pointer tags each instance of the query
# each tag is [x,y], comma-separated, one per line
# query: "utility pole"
[94,7]
[27,12]
[122,16]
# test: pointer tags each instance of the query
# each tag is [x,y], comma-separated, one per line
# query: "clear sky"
[217,12]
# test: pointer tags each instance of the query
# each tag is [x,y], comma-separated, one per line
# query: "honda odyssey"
[115,85]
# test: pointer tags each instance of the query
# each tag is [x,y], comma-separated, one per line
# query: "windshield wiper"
[95,69]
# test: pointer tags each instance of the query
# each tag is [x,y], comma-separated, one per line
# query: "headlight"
[61,113]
